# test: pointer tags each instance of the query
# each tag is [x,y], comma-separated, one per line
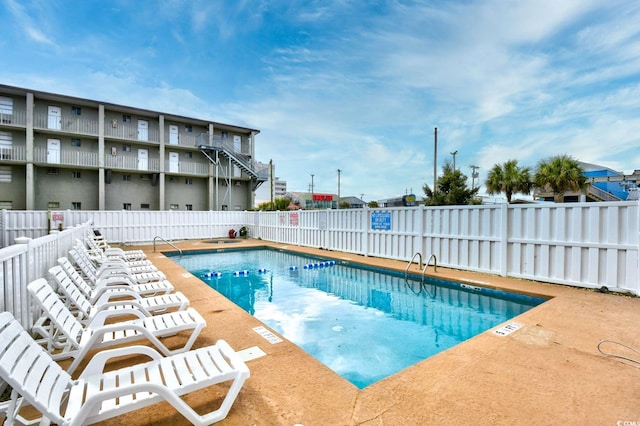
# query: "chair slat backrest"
[30,371]
[85,266]
[67,287]
[79,281]
[55,309]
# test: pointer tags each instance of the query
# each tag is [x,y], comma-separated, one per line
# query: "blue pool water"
[361,322]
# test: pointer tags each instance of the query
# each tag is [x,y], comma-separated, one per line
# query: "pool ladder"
[423,268]
[170,243]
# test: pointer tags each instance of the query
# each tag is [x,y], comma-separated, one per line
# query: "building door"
[174,134]
[53,151]
[55,117]
[174,162]
[237,143]
[143,130]
[143,159]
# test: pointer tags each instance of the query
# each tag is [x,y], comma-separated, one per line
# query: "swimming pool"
[363,323]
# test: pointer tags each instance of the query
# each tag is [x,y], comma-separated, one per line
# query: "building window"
[76,142]
[53,171]
[144,205]
[5,174]
[126,148]
[76,174]
[188,129]
[53,205]
[126,118]
[76,110]
[126,178]
[173,179]
[223,135]
[188,181]
[126,206]
[76,205]
[174,206]
[188,155]
[189,207]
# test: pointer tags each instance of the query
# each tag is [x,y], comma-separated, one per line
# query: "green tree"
[372,204]
[560,174]
[451,189]
[508,178]
[344,205]
[278,204]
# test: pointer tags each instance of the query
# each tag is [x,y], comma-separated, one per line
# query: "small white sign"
[507,329]
[269,336]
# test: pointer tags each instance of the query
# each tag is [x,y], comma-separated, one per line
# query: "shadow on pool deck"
[547,372]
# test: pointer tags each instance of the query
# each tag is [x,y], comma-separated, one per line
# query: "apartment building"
[62,152]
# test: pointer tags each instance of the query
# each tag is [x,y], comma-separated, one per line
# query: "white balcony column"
[101,172]
[30,202]
[161,188]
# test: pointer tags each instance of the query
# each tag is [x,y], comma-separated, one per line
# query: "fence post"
[365,231]
[420,231]
[504,239]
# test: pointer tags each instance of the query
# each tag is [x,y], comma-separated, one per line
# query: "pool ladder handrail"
[426,265]
[168,242]
[406,270]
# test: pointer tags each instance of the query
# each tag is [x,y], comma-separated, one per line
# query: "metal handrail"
[435,264]
[171,244]
[406,270]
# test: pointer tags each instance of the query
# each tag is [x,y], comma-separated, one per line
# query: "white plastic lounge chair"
[74,339]
[90,270]
[101,286]
[35,378]
[100,259]
[121,302]
[99,245]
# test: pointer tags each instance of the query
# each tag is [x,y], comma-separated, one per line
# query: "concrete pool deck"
[547,372]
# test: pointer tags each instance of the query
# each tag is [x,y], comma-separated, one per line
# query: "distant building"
[354,202]
[313,200]
[408,200]
[263,193]
[604,185]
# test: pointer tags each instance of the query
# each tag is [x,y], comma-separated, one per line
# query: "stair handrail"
[167,242]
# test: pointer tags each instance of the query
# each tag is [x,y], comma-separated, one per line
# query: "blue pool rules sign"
[380,221]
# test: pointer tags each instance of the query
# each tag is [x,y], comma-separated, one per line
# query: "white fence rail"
[590,245]
[22,263]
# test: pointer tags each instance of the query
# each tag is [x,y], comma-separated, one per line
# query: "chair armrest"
[99,360]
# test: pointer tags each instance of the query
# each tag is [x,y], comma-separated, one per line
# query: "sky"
[355,86]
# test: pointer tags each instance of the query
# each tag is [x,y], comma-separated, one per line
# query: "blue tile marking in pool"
[361,322]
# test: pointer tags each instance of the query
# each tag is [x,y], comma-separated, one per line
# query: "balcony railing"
[66,157]
[187,168]
[131,163]
[66,124]
[117,130]
[184,139]
[16,153]
[15,118]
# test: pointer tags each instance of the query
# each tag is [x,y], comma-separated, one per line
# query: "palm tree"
[560,174]
[508,178]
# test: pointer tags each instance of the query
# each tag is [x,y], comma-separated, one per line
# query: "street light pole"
[474,175]
[454,153]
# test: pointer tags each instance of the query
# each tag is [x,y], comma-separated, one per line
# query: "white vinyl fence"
[590,245]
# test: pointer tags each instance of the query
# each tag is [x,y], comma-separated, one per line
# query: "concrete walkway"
[549,372]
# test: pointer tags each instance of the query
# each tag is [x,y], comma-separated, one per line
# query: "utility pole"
[273,207]
[435,160]
[474,175]
[312,201]
[454,153]
[338,206]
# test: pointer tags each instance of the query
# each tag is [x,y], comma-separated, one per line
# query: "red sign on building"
[322,197]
